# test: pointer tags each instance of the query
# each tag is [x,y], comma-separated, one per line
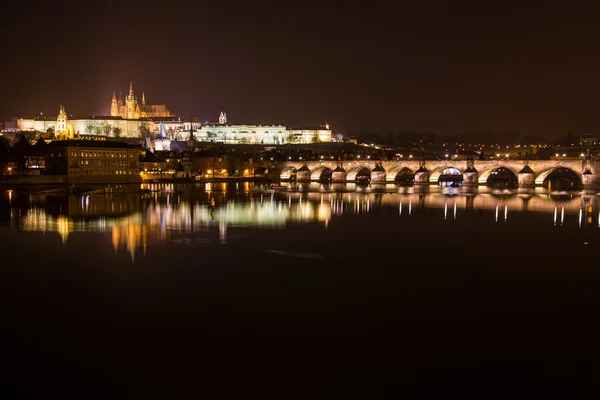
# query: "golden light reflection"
[131,223]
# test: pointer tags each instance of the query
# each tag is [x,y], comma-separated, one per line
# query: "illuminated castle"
[134,110]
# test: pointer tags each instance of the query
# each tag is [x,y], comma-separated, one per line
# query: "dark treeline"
[412,139]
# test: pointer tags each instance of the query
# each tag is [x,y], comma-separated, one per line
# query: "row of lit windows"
[104,162]
[99,172]
[106,154]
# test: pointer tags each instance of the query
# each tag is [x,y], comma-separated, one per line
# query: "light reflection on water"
[165,211]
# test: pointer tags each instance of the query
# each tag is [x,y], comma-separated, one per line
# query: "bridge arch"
[485,174]
[541,177]
[399,173]
[354,172]
[318,172]
[287,173]
[434,176]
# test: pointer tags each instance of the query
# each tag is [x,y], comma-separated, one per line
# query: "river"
[450,280]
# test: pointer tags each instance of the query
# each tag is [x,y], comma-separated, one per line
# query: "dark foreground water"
[428,288]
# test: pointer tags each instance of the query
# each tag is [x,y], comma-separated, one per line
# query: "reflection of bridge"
[528,173]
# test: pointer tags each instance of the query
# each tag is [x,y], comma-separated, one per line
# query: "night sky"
[441,66]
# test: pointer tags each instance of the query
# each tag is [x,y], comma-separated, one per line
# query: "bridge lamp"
[556,154]
[357,156]
[332,157]
[301,158]
[507,156]
[289,158]
[446,155]
[497,155]
[582,155]
[321,157]
[271,158]
[410,156]
[368,156]
[564,155]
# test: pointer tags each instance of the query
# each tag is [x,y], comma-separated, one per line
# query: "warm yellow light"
[209,171]
[223,171]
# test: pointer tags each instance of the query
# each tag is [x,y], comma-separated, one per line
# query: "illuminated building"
[309,134]
[132,109]
[241,134]
[64,128]
[93,161]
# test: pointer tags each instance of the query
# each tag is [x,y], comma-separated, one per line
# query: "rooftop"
[108,144]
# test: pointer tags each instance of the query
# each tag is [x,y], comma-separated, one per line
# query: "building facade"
[93,161]
[132,109]
[261,134]
[242,134]
[321,134]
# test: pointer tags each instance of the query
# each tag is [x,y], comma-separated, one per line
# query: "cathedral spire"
[143,98]
[114,96]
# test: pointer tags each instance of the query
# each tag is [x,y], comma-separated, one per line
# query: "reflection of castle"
[132,109]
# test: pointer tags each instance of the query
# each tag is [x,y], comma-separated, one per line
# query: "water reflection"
[170,212]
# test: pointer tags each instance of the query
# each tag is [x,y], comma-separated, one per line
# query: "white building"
[261,134]
[242,134]
[309,134]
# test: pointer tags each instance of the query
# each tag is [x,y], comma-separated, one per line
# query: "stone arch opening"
[405,176]
[359,174]
[560,178]
[288,174]
[321,174]
[499,177]
[446,176]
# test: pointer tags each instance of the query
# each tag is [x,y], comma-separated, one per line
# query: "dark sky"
[443,66]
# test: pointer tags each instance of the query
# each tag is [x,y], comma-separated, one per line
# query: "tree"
[106,129]
[144,131]
[89,128]
[116,131]
[315,138]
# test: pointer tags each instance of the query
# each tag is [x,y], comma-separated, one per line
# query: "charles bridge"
[474,172]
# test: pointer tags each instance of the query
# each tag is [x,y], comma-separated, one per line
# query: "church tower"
[114,106]
[131,104]
[222,118]
[64,127]
[143,98]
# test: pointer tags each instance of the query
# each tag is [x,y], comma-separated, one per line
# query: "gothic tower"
[143,98]
[222,118]
[131,104]
[114,106]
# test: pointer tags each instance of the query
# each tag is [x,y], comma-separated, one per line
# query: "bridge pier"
[303,174]
[470,176]
[378,174]
[338,174]
[526,177]
[422,176]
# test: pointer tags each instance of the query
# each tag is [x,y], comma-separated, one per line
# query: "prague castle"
[133,119]
[132,109]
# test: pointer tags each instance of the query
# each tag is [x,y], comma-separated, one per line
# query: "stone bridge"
[474,172]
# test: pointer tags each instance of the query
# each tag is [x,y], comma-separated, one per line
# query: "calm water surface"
[450,280]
